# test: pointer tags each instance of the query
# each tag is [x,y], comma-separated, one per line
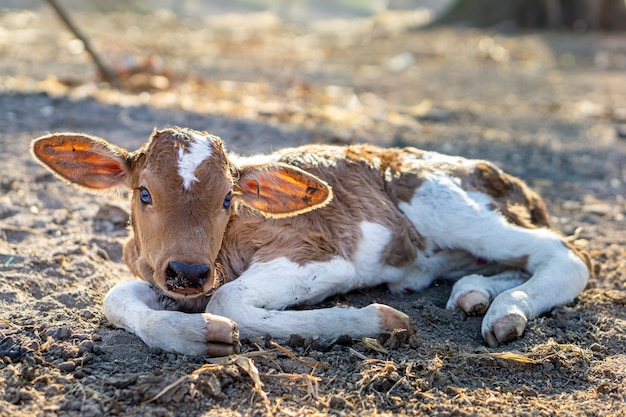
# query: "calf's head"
[184,193]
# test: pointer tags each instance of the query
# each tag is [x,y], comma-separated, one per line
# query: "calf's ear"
[86,161]
[279,190]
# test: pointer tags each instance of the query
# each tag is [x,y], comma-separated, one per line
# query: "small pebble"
[74,406]
[400,62]
[344,340]
[596,347]
[621,131]
[85,346]
[59,333]
[295,340]
[88,358]
[52,390]
[25,395]
[67,366]
[337,402]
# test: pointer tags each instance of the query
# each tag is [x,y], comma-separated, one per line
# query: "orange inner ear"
[88,169]
[281,191]
[85,161]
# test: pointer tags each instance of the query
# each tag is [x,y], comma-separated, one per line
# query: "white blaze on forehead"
[188,160]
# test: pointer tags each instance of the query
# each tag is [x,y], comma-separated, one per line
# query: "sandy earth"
[550,108]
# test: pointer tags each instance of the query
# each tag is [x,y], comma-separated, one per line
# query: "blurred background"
[579,14]
[293,10]
[397,72]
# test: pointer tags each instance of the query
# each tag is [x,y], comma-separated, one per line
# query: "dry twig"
[374,344]
[106,74]
[247,365]
[311,364]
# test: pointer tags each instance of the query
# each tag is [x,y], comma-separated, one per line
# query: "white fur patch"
[367,258]
[199,150]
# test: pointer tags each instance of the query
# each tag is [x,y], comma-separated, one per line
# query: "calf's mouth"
[190,280]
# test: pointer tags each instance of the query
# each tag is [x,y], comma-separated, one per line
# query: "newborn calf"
[225,244]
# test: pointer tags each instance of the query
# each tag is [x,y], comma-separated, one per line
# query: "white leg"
[473,293]
[447,264]
[451,218]
[134,306]
[257,298]
[429,268]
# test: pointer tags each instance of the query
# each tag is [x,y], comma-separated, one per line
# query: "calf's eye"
[144,196]
[229,197]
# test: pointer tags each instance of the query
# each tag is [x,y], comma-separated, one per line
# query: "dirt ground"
[548,107]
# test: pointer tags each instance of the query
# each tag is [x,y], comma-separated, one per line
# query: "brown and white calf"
[225,243]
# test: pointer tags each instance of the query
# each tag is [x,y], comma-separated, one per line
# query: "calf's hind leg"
[474,293]
[451,218]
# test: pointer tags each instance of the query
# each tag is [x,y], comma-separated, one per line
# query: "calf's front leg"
[135,307]
[257,299]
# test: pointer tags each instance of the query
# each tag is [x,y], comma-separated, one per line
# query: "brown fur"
[511,196]
[353,174]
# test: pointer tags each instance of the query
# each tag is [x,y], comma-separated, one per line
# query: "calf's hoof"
[505,329]
[474,303]
[222,336]
[393,319]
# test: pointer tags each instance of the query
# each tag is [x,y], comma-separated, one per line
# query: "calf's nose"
[181,275]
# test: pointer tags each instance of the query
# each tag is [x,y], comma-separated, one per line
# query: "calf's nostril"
[171,272]
[185,275]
